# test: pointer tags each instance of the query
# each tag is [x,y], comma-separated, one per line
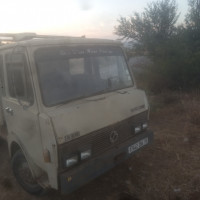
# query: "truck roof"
[32,39]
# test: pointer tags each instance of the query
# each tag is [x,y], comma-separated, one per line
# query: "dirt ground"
[167,170]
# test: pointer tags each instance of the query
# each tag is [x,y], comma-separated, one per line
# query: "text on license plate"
[138,145]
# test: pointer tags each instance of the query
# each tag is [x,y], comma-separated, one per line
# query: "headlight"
[138,129]
[144,126]
[85,154]
[141,127]
[72,161]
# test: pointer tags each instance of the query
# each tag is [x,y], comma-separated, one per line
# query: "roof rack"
[6,38]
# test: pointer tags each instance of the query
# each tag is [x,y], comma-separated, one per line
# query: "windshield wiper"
[121,92]
[101,91]
[97,99]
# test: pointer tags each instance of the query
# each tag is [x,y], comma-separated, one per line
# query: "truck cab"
[71,108]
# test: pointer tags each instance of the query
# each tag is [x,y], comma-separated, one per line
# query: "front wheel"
[23,174]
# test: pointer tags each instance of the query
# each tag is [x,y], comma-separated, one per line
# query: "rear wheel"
[23,174]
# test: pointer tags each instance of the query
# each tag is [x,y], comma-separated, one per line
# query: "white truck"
[70,108]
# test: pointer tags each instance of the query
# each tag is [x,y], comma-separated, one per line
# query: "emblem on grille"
[113,136]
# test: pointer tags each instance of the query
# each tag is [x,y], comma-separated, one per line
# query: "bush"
[175,50]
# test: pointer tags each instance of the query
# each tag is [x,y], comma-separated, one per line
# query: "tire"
[24,176]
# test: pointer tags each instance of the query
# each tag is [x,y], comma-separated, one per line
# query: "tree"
[193,25]
[174,50]
[193,16]
[152,27]
[192,38]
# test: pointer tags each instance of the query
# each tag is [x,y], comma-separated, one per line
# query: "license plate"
[137,145]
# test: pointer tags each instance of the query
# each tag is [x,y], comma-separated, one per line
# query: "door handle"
[6,109]
[9,110]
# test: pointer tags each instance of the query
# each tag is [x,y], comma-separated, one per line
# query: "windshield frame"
[83,96]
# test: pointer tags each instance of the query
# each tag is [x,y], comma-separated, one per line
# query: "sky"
[92,18]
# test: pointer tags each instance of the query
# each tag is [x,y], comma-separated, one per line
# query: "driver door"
[20,107]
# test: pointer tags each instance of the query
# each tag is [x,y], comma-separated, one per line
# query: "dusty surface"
[169,169]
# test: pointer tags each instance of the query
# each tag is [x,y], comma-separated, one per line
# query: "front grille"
[99,141]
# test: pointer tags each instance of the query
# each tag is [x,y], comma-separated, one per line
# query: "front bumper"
[80,175]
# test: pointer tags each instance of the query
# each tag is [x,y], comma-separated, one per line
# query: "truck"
[69,109]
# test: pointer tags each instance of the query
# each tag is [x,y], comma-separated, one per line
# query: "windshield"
[67,73]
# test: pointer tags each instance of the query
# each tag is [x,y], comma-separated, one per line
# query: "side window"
[19,85]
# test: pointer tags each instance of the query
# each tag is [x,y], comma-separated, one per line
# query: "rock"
[128,182]
[177,190]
